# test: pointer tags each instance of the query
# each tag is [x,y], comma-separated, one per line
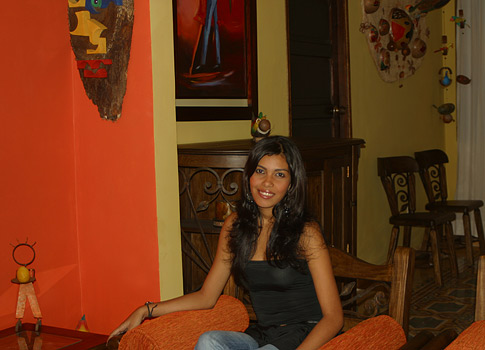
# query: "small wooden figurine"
[24,278]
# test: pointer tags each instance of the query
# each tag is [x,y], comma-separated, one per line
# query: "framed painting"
[215,59]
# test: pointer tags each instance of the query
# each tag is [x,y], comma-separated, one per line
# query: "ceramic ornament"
[460,20]
[422,7]
[463,79]
[445,76]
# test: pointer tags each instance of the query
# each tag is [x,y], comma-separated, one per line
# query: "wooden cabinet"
[210,176]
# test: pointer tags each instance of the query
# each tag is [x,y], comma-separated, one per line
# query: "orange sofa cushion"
[181,330]
[472,338]
[377,333]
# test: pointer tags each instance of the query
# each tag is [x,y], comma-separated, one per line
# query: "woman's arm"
[205,298]
[320,266]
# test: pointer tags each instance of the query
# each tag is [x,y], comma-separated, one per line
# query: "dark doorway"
[319,68]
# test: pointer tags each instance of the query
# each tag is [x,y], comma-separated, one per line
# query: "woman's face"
[270,181]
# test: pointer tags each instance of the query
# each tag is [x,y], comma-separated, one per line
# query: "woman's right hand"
[135,319]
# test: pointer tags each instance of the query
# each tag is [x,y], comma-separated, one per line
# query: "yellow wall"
[166,149]
[393,121]
[273,102]
[272,83]
[451,147]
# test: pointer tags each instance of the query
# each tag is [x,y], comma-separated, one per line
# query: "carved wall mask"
[101,32]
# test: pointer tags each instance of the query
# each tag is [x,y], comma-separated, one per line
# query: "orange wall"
[81,187]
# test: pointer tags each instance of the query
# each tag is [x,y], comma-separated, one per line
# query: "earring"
[286,210]
[249,198]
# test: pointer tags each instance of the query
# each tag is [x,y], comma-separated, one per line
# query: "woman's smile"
[266,194]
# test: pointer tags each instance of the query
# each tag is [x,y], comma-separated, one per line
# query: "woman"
[275,250]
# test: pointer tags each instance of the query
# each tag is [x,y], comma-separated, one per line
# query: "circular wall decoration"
[396,37]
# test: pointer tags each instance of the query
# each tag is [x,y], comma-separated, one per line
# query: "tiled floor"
[436,308]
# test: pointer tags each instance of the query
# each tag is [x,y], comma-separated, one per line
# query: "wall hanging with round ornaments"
[397,34]
[397,41]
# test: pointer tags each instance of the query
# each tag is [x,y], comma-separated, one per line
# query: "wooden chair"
[398,178]
[433,175]
[390,288]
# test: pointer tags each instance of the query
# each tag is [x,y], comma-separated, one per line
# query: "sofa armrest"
[472,338]
[381,332]
[181,330]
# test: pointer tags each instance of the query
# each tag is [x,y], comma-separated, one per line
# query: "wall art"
[397,37]
[101,32]
[215,59]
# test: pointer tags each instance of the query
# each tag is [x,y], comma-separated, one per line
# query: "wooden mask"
[101,33]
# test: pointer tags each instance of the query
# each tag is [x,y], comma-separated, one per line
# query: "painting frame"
[236,96]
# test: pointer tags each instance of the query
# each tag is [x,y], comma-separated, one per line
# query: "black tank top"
[281,296]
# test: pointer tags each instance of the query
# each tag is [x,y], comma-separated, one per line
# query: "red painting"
[212,49]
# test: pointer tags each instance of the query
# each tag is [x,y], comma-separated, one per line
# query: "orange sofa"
[180,330]
[472,338]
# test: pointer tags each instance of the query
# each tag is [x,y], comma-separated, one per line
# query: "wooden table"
[50,338]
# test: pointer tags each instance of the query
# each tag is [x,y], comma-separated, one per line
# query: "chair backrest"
[387,287]
[397,177]
[433,174]
[369,289]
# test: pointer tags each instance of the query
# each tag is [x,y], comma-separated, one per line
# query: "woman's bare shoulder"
[312,239]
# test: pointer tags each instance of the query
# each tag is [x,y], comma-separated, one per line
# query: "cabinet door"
[330,200]
[201,191]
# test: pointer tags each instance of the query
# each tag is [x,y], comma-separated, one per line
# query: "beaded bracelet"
[148,303]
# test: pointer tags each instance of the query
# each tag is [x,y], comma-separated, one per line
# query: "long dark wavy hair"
[290,213]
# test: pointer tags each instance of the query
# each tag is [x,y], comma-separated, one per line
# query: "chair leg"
[479,225]
[451,249]
[406,238]
[436,256]
[424,244]
[392,244]
[468,238]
